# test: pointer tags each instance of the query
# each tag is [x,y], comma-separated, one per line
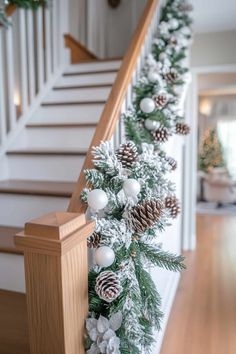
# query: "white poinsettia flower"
[116,321]
[102,324]
[93,350]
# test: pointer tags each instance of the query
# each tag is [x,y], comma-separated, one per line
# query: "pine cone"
[160,100]
[127,154]
[182,129]
[108,286]
[161,135]
[145,215]
[172,162]
[171,76]
[93,241]
[172,204]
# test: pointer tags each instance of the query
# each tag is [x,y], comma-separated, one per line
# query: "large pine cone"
[160,100]
[145,215]
[172,162]
[93,241]
[108,286]
[127,154]
[173,205]
[182,129]
[161,135]
[171,76]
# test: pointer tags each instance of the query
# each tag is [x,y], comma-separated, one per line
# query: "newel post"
[56,272]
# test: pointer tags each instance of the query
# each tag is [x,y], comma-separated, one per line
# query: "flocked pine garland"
[132,201]
[155,115]
[25,4]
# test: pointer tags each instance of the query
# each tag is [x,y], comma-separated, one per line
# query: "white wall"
[216,48]
[105,31]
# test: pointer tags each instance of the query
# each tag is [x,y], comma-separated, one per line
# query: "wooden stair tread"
[43,188]
[62,125]
[86,86]
[13,323]
[48,152]
[7,243]
[82,73]
[72,103]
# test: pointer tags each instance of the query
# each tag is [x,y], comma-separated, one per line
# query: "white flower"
[102,333]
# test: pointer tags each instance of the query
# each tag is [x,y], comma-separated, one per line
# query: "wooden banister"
[111,113]
[56,270]
[78,52]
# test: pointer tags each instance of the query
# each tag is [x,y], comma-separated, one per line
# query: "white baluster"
[40,49]
[55,35]
[48,39]
[3,126]
[10,74]
[23,61]
[31,54]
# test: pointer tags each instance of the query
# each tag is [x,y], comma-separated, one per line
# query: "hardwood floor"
[13,323]
[203,319]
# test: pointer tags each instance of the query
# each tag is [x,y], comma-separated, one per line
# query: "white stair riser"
[103,65]
[12,276]
[55,138]
[68,114]
[50,167]
[78,95]
[18,209]
[77,80]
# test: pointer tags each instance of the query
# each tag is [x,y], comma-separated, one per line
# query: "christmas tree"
[211,151]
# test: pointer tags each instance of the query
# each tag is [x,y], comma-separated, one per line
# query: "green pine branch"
[161,258]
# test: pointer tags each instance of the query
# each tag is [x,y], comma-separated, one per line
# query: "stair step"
[43,188]
[86,113]
[41,152]
[13,323]
[92,94]
[47,165]
[76,114]
[91,86]
[78,103]
[76,138]
[95,65]
[61,125]
[31,199]
[7,240]
[88,79]
[90,72]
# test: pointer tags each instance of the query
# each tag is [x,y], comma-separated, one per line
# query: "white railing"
[31,52]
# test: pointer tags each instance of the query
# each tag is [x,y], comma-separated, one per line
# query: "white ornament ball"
[163,56]
[173,23]
[104,256]
[131,187]
[151,124]
[153,76]
[147,105]
[186,31]
[97,199]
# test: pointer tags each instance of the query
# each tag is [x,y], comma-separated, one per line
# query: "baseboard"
[167,302]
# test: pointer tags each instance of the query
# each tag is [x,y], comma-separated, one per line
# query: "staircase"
[42,166]
[41,161]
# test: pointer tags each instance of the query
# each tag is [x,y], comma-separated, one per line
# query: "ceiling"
[214,15]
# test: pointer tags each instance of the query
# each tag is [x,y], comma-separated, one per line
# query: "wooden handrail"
[78,52]
[111,112]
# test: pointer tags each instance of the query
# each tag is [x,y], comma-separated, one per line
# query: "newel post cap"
[54,233]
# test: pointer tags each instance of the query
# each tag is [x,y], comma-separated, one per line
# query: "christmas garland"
[155,115]
[132,201]
[25,4]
